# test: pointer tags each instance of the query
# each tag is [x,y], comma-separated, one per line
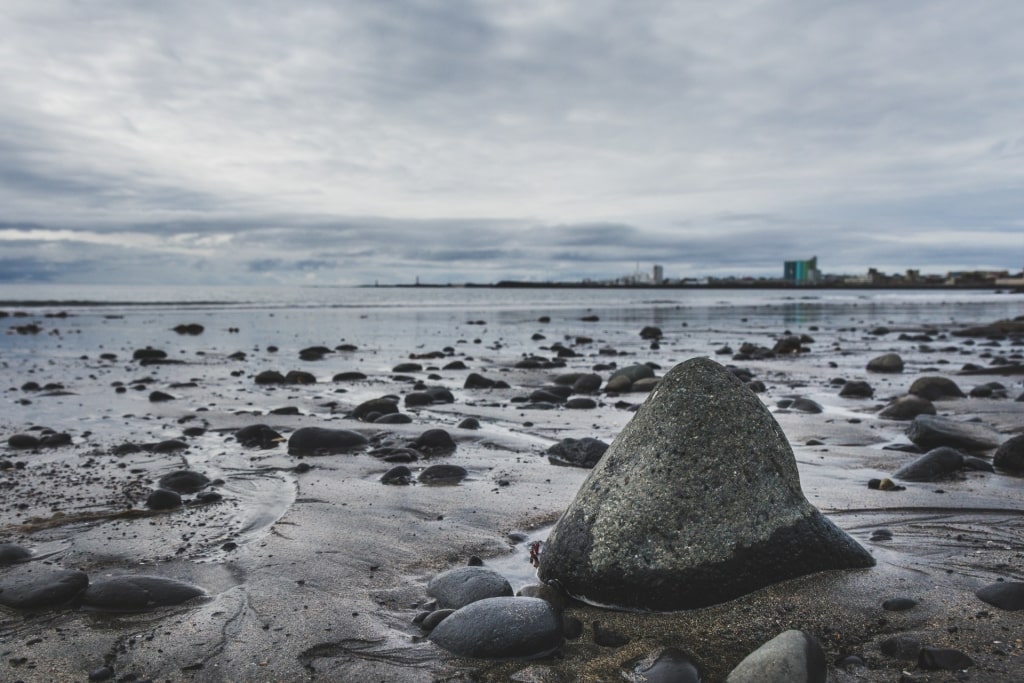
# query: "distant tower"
[659,275]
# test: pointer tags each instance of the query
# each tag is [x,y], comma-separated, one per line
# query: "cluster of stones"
[30,585]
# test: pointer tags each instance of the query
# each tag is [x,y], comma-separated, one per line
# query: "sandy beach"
[312,569]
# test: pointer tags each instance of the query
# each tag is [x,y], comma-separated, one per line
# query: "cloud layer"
[347,142]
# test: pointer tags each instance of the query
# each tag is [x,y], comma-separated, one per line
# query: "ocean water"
[389,317]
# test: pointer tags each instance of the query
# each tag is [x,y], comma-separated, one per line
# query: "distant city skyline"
[320,142]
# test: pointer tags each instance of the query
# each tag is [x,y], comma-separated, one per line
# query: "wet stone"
[938,463]
[33,586]
[184,481]
[1008,595]
[138,593]
[442,475]
[857,389]
[12,553]
[889,362]
[400,475]
[696,502]
[462,586]
[932,431]
[501,628]
[585,452]
[899,604]
[907,408]
[942,658]
[435,442]
[671,665]
[162,499]
[23,441]
[323,441]
[258,436]
[381,406]
[935,388]
[790,657]
[1010,455]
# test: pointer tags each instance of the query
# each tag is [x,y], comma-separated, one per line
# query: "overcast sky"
[299,141]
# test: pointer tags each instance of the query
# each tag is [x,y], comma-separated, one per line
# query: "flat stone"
[461,586]
[323,441]
[501,628]
[790,657]
[696,502]
[34,586]
[932,431]
[138,593]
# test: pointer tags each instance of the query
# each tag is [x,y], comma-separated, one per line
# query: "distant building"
[659,275]
[802,272]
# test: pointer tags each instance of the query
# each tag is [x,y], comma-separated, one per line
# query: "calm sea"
[422,317]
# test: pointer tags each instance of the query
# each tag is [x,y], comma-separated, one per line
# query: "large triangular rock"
[696,502]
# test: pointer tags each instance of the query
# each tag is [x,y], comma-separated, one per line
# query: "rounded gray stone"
[462,586]
[888,362]
[12,553]
[697,501]
[790,657]
[907,408]
[501,628]
[1010,455]
[935,388]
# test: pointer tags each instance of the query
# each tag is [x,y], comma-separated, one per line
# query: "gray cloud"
[353,142]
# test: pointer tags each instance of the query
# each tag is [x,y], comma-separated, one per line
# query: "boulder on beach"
[501,628]
[696,502]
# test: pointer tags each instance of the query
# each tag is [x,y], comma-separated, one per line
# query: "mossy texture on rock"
[696,502]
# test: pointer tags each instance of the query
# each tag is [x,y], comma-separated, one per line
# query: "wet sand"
[317,575]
